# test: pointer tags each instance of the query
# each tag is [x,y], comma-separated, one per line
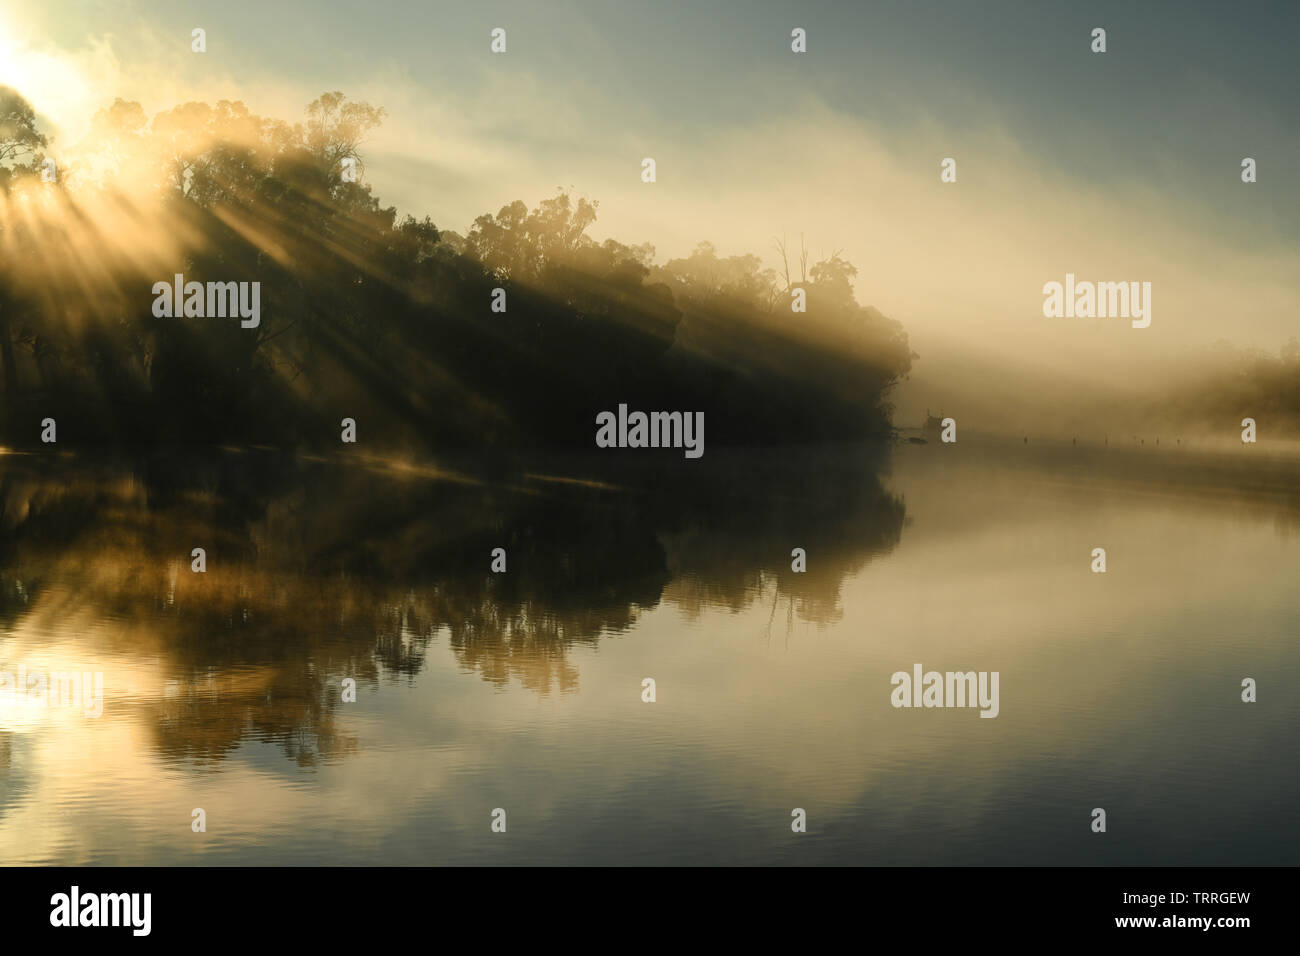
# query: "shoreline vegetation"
[514,335]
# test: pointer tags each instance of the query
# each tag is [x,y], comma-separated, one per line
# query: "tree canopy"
[381,318]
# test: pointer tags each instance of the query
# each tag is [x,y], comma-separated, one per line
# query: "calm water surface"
[522,691]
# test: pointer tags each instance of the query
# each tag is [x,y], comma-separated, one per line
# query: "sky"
[1119,166]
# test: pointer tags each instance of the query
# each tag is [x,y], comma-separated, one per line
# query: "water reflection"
[318,571]
[523,690]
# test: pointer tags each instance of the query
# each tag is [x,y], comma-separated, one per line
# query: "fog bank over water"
[1143,390]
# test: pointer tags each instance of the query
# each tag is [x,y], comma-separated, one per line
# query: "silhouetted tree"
[388,320]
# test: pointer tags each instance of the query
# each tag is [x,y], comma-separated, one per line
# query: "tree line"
[383,318]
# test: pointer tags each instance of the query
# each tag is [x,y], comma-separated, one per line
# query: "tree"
[19,137]
[21,145]
[336,127]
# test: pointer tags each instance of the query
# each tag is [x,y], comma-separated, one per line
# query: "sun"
[55,86]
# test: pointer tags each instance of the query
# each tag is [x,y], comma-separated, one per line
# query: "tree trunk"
[7,358]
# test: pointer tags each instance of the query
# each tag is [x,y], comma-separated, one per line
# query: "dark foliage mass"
[383,319]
